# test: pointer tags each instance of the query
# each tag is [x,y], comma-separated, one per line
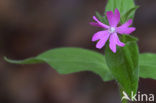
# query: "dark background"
[30,27]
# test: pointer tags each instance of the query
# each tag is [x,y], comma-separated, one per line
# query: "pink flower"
[111,31]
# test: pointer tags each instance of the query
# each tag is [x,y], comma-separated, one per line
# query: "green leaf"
[71,60]
[148,65]
[126,7]
[124,64]
[122,5]
[130,13]
[26,61]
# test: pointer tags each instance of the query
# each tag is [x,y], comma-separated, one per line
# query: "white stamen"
[112,29]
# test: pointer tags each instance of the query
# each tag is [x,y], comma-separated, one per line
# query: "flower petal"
[113,19]
[100,35]
[102,42]
[110,17]
[125,30]
[114,40]
[112,43]
[95,24]
[118,42]
[100,23]
[128,23]
[117,16]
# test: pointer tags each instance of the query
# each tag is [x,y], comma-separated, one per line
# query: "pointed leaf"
[71,60]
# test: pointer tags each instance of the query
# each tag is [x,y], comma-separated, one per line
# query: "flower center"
[111,29]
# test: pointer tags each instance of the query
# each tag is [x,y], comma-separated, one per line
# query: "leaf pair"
[125,66]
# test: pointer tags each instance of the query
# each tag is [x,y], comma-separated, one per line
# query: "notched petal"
[100,23]
[113,19]
[102,36]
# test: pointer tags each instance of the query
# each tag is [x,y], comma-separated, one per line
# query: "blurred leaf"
[122,5]
[148,65]
[71,60]
[124,64]
[129,14]
[126,7]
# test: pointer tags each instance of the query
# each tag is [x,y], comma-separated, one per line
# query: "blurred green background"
[30,27]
